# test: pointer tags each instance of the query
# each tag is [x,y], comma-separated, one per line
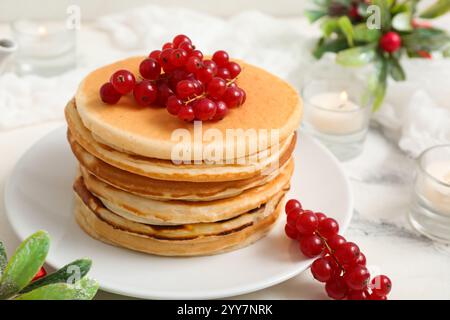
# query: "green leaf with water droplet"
[24,264]
[437,9]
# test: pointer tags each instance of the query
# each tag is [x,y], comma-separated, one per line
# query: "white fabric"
[416,113]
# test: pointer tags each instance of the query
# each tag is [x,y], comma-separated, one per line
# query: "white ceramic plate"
[39,196]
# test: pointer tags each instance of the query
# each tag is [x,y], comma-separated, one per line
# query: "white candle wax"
[334,113]
[438,194]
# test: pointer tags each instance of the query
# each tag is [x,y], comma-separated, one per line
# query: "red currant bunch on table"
[339,264]
[179,78]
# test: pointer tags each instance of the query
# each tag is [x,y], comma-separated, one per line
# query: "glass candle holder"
[44,48]
[336,115]
[430,205]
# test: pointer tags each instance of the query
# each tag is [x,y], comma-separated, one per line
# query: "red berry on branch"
[40,274]
[197,53]
[204,109]
[187,46]
[381,285]
[373,296]
[357,278]
[211,64]
[186,113]
[223,73]
[424,54]
[307,223]
[311,246]
[336,288]
[321,216]
[194,64]
[232,97]
[185,89]
[150,69]
[178,57]
[167,45]
[145,93]
[322,270]
[123,81]
[292,205]
[335,241]
[390,41]
[328,227]
[221,58]
[353,12]
[347,253]
[205,74]
[164,92]
[361,260]
[291,232]
[291,219]
[155,54]
[216,88]
[357,295]
[108,94]
[174,105]
[179,39]
[234,69]
[221,112]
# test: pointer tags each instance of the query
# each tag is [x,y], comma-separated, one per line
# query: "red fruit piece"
[216,88]
[197,53]
[232,97]
[164,92]
[381,285]
[321,216]
[357,278]
[321,270]
[373,296]
[108,94]
[204,109]
[291,205]
[174,105]
[193,64]
[186,113]
[178,57]
[221,111]
[145,93]
[311,246]
[234,69]
[40,274]
[179,39]
[155,54]
[328,227]
[186,46]
[211,64]
[347,253]
[221,58]
[291,232]
[307,223]
[291,219]
[223,73]
[336,288]
[185,89]
[150,69]
[390,41]
[167,45]
[335,241]
[123,81]
[205,74]
[357,295]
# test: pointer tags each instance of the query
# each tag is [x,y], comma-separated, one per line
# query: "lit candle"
[335,113]
[437,191]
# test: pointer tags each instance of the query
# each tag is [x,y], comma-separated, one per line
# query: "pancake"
[145,210]
[103,225]
[266,160]
[271,104]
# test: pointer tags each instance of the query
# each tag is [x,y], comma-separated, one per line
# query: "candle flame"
[42,30]
[344,96]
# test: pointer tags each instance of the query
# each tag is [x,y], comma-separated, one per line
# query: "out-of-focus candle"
[437,190]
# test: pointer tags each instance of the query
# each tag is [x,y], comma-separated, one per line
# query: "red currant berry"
[123,81]
[357,295]
[164,92]
[336,288]
[178,57]
[216,88]
[186,113]
[291,232]
[336,269]
[390,41]
[223,73]
[221,58]
[361,260]
[321,270]
[205,74]
[180,39]
[335,241]
[167,45]
[311,246]
[174,105]
[357,278]
[211,64]
[234,69]
[232,97]
[243,96]
[40,274]
[221,111]
[145,93]
[291,205]
[381,285]
[204,109]
[291,219]
[373,296]
[197,53]
[307,223]
[108,94]
[193,64]
[199,87]
[150,69]
[186,46]
[155,54]
[321,216]
[328,227]
[185,89]
[347,253]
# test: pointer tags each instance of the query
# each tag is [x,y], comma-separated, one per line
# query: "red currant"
[204,109]
[221,111]
[180,39]
[232,97]
[123,81]
[178,57]
[193,64]
[167,45]
[321,270]
[221,58]
[307,223]
[155,54]
[211,64]
[357,278]
[197,53]
[234,69]
[373,296]
[292,205]
[199,87]
[216,88]
[174,105]
[291,219]
[328,227]
[223,73]
[311,246]
[108,94]
[335,241]
[150,69]
[381,285]
[357,295]
[186,113]
[186,46]
[243,96]
[204,74]
[291,232]
[185,88]
[40,274]
[361,260]
[145,93]
[347,253]
[390,41]
[336,288]
[164,92]
[321,216]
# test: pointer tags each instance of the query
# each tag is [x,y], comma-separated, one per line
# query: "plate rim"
[195,295]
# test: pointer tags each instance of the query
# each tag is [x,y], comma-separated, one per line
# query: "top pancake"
[271,104]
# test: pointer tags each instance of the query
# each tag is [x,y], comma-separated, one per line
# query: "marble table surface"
[381,181]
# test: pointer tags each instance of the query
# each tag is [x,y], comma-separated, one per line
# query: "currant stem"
[324,240]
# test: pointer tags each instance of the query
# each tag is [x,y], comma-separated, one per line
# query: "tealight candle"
[334,114]
[430,210]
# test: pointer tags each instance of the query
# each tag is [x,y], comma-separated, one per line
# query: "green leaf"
[356,57]
[347,29]
[329,45]
[314,15]
[72,271]
[378,81]
[402,22]
[85,289]
[3,258]
[427,39]
[446,53]
[385,14]
[363,34]
[24,264]
[329,26]
[396,70]
[437,9]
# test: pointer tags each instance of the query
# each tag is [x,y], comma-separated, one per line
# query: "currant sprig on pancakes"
[341,265]
[178,78]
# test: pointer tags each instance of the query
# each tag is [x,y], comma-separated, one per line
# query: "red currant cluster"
[341,265]
[190,87]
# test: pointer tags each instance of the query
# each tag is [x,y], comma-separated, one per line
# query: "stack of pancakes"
[132,194]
